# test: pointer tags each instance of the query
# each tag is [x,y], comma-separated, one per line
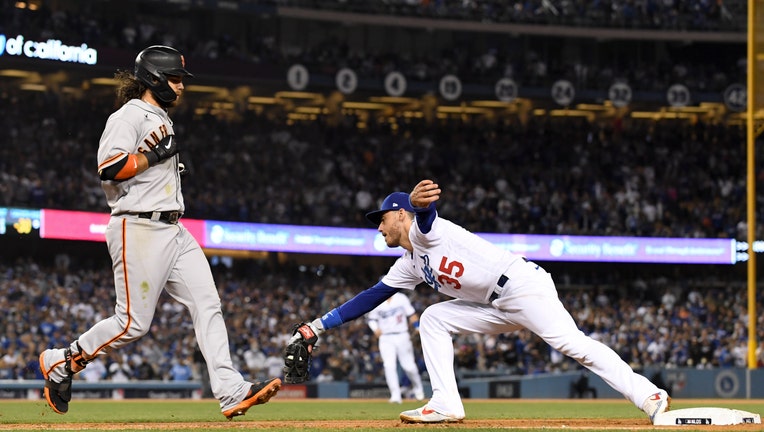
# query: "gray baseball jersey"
[128,131]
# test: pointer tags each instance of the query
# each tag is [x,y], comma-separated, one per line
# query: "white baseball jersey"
[456,263]
[392,315]
[462,265]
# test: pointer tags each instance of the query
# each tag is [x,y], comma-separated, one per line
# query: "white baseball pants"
[529,301]
[394,348]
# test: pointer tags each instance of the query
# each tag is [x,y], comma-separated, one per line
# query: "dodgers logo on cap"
[394,201]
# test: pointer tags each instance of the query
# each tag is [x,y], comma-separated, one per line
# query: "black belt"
[170,217]
[500,286]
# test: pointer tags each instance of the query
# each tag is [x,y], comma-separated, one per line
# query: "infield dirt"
[509,424]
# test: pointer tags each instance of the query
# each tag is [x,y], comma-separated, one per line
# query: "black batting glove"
[162,150]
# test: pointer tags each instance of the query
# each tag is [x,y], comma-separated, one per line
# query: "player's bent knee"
[136,331]
[428,319]
[431,321]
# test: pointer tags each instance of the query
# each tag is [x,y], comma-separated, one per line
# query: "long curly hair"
[128,87]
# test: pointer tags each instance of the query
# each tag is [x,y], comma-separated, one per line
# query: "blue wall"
[732,383]
[680,383]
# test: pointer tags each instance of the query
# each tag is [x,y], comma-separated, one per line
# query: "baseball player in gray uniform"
[390,323]
[494,292]
[150,249]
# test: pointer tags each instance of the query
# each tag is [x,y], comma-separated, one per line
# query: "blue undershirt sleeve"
[425,216]
[357,306]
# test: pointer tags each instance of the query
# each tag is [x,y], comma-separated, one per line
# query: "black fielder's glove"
[299,353]
[164,149]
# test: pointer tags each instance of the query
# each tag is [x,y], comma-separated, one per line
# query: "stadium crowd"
[530,62]
[696,322]
[653,14]
[547,176]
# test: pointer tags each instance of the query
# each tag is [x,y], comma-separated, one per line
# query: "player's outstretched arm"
[299,350]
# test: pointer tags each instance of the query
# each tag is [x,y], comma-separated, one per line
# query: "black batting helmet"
[154,64]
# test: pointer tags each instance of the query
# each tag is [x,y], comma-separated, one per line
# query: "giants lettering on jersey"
[155,137]
[429,276]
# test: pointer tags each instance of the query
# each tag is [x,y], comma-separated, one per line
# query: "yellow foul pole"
[752,132]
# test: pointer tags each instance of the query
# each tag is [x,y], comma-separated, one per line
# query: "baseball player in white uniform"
[390,323]
[494,292]
[150,249]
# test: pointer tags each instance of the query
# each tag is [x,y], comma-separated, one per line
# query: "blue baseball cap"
[394,201]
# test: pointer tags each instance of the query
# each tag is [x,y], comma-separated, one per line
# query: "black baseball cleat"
[57,394]
[259,393]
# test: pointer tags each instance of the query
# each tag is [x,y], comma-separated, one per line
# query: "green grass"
[205,414]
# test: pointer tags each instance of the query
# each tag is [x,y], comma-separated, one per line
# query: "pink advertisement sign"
[73,225]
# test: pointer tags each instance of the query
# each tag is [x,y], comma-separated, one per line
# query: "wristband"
[151,157]
[331,319]
[319,326]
